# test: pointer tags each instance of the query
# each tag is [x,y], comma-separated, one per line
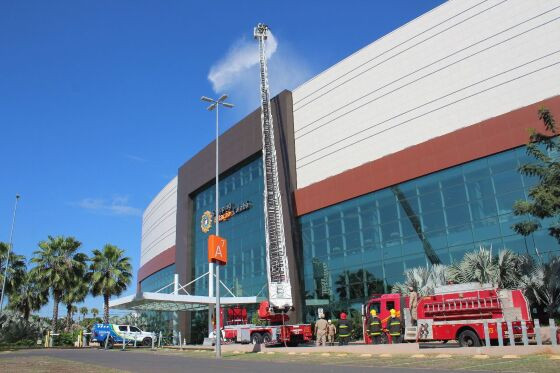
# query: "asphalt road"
[149,363]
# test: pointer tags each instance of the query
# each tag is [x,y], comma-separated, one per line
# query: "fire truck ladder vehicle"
[458,312]
[271,313]
[279,288]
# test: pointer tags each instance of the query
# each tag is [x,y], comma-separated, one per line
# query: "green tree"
[503,270]
[423,280]
[29,296]
[16,270]
[94,312]
[77,289]
[84,311]
[542,283]
[55,262]
[545,195]
[110,274]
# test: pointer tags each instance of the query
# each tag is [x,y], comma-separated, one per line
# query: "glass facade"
[241,207]
[159,279]
[364,245]
[158,320]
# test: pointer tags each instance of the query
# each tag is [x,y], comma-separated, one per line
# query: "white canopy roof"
[148,301]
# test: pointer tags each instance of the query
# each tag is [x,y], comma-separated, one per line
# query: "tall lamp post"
[8,254]
[215,104]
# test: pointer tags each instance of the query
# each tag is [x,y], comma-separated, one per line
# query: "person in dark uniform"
[394,326]
[344,330]
[374,328]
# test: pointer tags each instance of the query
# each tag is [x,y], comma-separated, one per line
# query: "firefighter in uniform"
[394,326]
[344,330]
[374,328]
[321,327]
[331,332]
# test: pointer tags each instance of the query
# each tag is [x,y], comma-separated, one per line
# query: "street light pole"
[8,254]
[215,104]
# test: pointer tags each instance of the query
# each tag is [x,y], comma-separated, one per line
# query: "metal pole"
[524,333]
[486,334]
[8,254]
[499,327]
[537,328]
[510,334]
[552,325]
[217,265]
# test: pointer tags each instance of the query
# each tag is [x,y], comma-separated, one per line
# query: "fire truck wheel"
[256,338]
[266,338]
[468,338]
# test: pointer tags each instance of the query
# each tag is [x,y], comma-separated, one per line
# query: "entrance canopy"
[175,301]
[148,301]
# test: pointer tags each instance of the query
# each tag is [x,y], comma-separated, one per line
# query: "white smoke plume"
[237,73]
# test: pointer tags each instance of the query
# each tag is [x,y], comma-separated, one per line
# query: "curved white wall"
[463,62]
[159,222]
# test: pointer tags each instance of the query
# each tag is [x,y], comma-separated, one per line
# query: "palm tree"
[542,282]
[480,266]
[76,291]
[110,274]
[56,261]
[94,312]
[29,296]
[16,271]
[84,311]
[422,279]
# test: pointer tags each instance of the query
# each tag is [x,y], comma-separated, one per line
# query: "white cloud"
[117,206]
[237,73]
[136,158]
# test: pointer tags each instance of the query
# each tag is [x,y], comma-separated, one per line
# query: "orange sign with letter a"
[217,249]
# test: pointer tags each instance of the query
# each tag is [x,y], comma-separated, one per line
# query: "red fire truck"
[456,312]
[237,329]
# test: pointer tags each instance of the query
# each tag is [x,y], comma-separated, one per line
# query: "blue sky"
[99,100]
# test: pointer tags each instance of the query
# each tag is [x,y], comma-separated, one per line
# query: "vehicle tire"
[110,343]
[266,338]
[468,338]
[147,342]
[293,344]
[256,338]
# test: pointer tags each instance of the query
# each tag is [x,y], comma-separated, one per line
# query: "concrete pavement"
[149,362]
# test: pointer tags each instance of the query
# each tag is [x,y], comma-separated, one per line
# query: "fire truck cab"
[456,312]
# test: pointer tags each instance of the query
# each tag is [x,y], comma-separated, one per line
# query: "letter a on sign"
[217,249]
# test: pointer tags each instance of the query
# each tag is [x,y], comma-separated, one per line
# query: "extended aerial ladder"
[279,288]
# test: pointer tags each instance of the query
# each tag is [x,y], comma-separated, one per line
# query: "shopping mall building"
[403,154]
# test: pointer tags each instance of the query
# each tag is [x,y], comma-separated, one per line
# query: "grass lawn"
[530,363]
[40,364]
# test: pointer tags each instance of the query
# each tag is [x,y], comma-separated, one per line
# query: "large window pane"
[503,162]
[486,229]
[455,195]
[319,232]
[457,215]
[459,235]
[371,235]
[483,208]
[506,201]
[433,221]
[481,188]
[390,231]
[507,181]
[388,209]
[430,202]
[351,220]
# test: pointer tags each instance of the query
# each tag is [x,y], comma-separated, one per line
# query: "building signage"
[227,212]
